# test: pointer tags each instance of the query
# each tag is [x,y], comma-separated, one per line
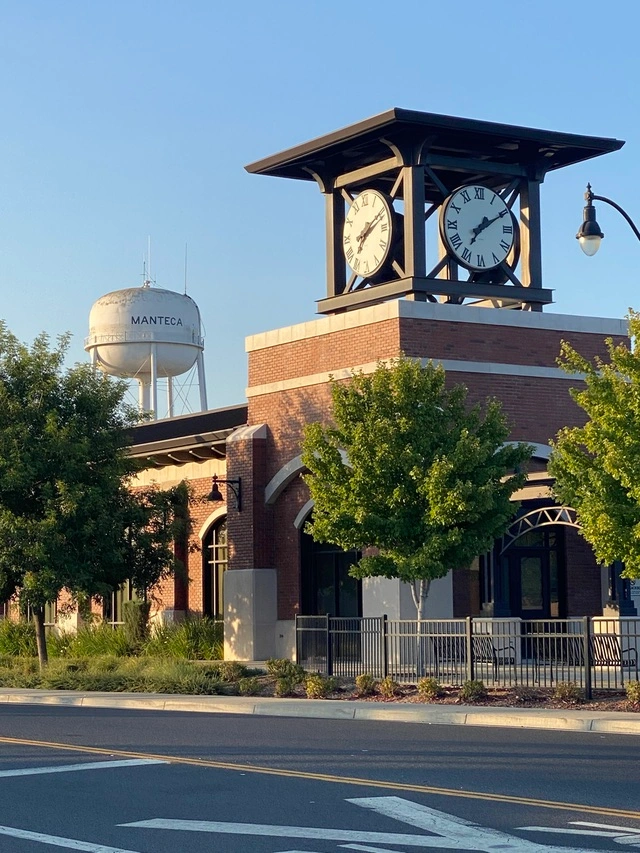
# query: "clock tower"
[433,208]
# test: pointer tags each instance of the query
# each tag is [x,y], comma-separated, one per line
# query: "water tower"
[145,333]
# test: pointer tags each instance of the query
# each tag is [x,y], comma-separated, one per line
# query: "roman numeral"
[355,206]
[347,238]
[349,221]
[480,262]
[495,259]
[455,240]
[466,254]
[383,244]
[453,207]
[465,196]
[349,254]
[504,245]
[453,224]
[384,226]
[507,229]
[479,192]
[356,265]
[365,199]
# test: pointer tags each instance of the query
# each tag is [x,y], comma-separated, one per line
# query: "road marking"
[325,777]
[56,841]
[89,765]
[628,835]
[448,832]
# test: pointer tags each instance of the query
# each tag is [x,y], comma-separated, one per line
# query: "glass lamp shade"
[590,243]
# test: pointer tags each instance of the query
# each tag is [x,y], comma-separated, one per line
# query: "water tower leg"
[143,395]
[201,382]
[154,382]
[170,396]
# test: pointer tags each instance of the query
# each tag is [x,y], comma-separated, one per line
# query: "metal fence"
[592,652]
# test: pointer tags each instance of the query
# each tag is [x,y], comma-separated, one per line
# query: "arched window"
[215,556]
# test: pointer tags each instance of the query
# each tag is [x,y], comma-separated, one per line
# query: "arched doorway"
[215,559]
[326,587]
[528,565]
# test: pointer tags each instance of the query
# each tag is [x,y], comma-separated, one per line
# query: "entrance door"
[327,588]
[530,584]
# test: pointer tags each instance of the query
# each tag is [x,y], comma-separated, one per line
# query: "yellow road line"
[325,777]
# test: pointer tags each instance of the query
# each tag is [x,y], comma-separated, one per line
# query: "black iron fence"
[592,652]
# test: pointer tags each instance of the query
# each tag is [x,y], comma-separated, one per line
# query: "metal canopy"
[450,145]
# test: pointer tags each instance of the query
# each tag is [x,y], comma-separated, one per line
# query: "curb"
[612,722]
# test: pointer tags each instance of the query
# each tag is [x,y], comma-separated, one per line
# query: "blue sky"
[128,119]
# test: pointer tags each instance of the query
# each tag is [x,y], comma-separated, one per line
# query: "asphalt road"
[283,785]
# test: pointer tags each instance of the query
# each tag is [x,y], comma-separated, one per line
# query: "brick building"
[489,332]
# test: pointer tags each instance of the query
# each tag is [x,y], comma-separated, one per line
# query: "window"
[215,554]
[112,604]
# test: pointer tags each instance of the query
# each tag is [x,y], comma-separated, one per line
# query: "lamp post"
[590,235]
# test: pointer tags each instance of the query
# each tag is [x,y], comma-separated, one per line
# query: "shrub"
[285,686]
[249,686]
[17,638]
[319,686]
[388,687]
[632,689]
[567,692]
[365,684]
[231,670]
[429,688]
[90,640]
[192,639]
[473,690]
[284,668]
[136,623]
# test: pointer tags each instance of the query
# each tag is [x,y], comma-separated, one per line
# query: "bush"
[285,686]
[17,638]
[365,684]
[90,640]
[429,689]
[388,687]
[632,689]
[231,670]
[473,690]
[192,639]
[136,623]
[249,686]
[284,668]
[568,692]
[319,686]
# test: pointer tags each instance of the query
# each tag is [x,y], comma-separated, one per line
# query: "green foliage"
[285,685]
[98,640]
[284,668]
[632,689]
[473,690]
[194,639]
[426,481]
[136,622]
[249,686]
[568,692]
[388,687]
[231,670]
[365,684]
[17,638]
[429,688]
[319,686]
[597,466]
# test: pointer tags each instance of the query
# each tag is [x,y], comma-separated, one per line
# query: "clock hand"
[368,227]
[485,224]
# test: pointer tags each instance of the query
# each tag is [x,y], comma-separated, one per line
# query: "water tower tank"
[145,333]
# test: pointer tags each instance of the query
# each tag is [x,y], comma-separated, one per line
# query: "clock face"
[366,237]
[477,227]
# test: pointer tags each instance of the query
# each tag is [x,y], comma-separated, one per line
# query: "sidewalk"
[612,722]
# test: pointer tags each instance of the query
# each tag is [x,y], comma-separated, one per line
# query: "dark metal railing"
[592,652]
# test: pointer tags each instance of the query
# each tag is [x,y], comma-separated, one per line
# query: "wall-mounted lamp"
[216,495]
[590,235]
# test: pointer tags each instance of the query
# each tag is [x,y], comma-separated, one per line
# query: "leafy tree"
[427,480]
[597,466]
[64,471]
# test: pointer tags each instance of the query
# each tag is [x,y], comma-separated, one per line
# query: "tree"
[427,480]
[597,466]
[64,473]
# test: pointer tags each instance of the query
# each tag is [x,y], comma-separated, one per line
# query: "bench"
[453,651]
[604,650]
[607,650]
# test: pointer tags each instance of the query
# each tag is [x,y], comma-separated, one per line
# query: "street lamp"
[215,494]
[590,236]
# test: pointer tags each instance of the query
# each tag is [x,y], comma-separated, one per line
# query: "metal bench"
[607,650]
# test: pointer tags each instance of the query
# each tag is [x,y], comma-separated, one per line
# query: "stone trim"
[395,309]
